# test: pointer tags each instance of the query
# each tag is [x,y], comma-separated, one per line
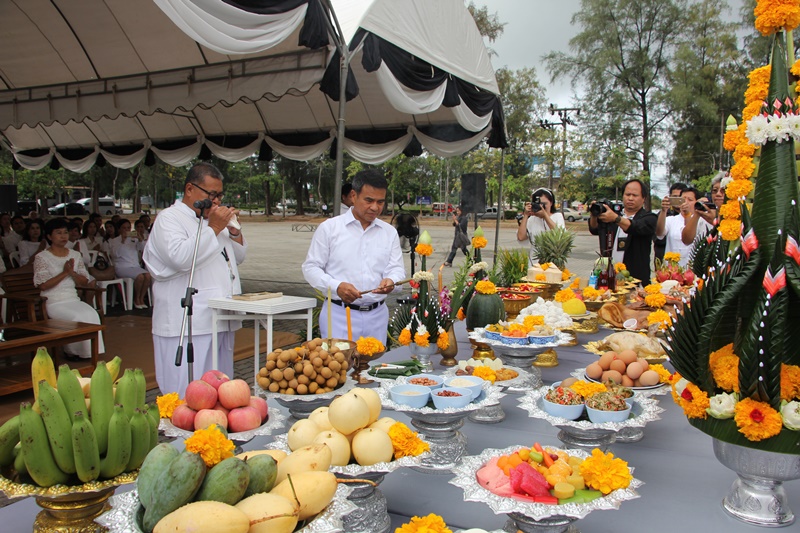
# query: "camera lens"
[596,209]
[700,206]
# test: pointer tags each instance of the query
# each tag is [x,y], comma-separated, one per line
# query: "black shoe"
[448,264]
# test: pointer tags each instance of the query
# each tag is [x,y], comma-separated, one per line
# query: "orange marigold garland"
[776,15]
[790,382]
[757,420]
[693,401]
[167,404]
[424,249]
[479,242]
[210,444]
[443,340]
[730,229]
[405,336]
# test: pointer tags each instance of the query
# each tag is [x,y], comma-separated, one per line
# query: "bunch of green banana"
[69,439]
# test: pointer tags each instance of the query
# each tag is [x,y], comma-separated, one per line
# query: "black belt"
[355,307]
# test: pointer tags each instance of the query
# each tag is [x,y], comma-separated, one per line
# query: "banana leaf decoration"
[751,293]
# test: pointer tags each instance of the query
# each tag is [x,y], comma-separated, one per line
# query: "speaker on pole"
[473,193]
[8,198]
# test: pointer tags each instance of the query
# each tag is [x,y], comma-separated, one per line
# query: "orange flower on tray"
[790,382]
[369,346]
[604,472]
[485,287]
[427,524]
[424,249]
[564,295]
[657,300]
[757,420]
[532,320]
[167,404]
[406,443]
[210,444]
[694,401]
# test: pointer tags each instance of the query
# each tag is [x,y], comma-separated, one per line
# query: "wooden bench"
[304,227]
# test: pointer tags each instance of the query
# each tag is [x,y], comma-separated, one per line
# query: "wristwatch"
[616,220]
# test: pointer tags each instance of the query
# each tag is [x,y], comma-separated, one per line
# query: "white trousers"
[77,311]
[173,378]
[373,323]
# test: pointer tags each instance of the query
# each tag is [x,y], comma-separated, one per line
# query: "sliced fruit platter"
[545,482]
[542,403]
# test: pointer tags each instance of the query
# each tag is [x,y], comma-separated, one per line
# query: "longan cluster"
[307,369]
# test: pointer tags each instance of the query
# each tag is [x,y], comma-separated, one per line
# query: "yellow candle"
[349,324]
[330,324]
[441,284]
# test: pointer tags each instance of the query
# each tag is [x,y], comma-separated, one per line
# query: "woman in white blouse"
[32,242]
[125,253]
[91,241]
[57,271]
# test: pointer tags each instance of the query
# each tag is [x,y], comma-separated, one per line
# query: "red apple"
[261,405]
[234,393]
[243,419]
[221,409]
[206,417]
[200,395]
[183,417]
[215,378]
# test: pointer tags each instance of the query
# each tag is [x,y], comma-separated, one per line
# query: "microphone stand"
[187,302]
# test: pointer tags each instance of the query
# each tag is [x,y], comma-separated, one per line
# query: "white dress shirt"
[11,241]
[342,251]
[168,257]
[673,228]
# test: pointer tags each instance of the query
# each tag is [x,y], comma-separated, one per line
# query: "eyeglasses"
[211,195]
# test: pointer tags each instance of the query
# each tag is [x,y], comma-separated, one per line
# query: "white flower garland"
[423,275]
[779,128]
[477,267]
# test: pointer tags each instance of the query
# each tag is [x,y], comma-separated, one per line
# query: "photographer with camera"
[540,215]
[626,236]
[660,245]
[673,227]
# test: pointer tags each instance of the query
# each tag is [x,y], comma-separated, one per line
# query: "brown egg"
[644,363]
[606,359]
[627,382]
[629,356]
[637,383]
[594,371]
[618,365]
[569,381]
[634,370]
[612,375]
[649,378]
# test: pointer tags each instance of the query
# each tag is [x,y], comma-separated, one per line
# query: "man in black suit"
[627,237]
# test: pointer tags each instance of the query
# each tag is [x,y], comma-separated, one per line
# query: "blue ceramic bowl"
[438,379]
[492,335]
[540,340]
[443,402]
[473,383]
[570,412]
[516,341]
[630,400]
[411,395]
[599,417]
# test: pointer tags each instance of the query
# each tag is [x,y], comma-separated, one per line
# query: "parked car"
[26,206]
[571,215]
[67,209]
[438,208]
[491,212]
[105,206]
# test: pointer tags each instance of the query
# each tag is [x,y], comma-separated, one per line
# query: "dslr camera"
[536,204]
[596,209]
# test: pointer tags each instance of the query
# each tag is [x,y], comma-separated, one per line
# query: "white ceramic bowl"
[455,402]
[597,416]
[475,385]
[415,396]
[438,379]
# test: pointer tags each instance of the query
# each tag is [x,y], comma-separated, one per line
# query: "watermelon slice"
[549,500]
[527,480]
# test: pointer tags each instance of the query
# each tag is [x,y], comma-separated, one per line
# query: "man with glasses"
[168,257]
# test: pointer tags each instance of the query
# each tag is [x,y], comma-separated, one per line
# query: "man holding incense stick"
[355,252]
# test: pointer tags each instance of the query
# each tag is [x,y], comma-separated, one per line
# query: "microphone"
[202,204]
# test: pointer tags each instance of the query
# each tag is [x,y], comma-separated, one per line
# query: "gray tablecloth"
[684,483]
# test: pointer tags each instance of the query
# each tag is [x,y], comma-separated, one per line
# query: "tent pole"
[499,204]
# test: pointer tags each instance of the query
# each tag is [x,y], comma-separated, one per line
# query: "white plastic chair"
[118,284]
[14,258]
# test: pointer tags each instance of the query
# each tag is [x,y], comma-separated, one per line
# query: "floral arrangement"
[167,404]
[485,287]
[210,444]
[474,271]
[369,346]
[657,300]
[734,345]
[427,524]
[564,295]
[406,443]
[423,323]
[653,288]
[529,321]
[603,472]
[590,292]
[669,268]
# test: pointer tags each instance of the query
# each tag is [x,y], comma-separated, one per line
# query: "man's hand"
[608,216]
[386,286]
[347,292]
[665,204]
[218,217]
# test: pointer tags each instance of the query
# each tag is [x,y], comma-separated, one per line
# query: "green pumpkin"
[484,309]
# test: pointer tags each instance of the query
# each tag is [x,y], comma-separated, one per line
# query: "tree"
[489,25]
[622,57]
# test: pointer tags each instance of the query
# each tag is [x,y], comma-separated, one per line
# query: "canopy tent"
[120,82]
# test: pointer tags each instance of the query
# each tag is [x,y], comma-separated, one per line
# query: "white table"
[262,312]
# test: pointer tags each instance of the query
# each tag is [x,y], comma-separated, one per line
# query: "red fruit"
[677,276]
[688,277]
[527,480]
[662,276]
[183,417]
[550,500]
[200,395]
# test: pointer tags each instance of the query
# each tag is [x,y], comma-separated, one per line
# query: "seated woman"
[57,271]
[125,252]
[32,242]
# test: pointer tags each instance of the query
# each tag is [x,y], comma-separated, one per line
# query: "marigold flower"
[733,139]
[544,266]
[485,287]
[744,149]
[405,337]
[575,284]
[443,340]
[795,68]
[743,168]
[660,317]
[757,420]
[516,327]
[428,524]
[486,373]
[167,404]
[738,189]
[424,249]
[790,382]
[619,267]
[210,444]
[532,320]
[460,314]
[406,443]
[653,288]
[730,230]
[655,300]
[672,257]
[423,339]
[565,274]
[590,292]
[713,357]
[540,277]
[604,472]
[369,346]
[776,15]
[750,110]
[479,242]
[731,210]
[564,295]
[725,372]
[694,401]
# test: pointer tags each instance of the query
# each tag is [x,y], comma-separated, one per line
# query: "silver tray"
[645,410]
[519,380]
[126,511]
[492,395]
[562,339]
[465,477]
[291,398]
[356,470]
[275,421]
[653,390]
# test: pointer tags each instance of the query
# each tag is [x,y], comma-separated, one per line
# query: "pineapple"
[513,265]
[554,246]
